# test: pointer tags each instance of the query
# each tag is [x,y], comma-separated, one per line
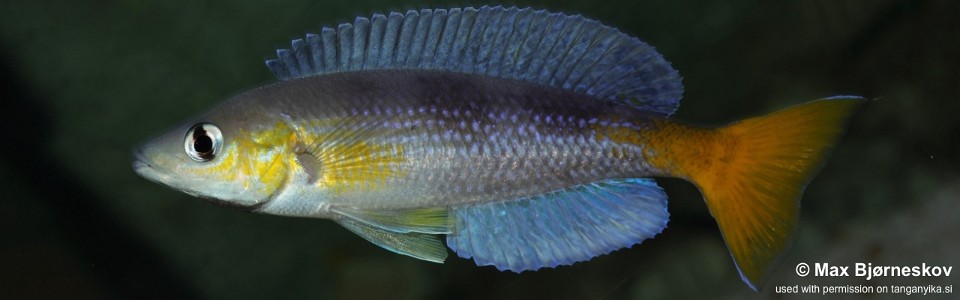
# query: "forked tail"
[752,174]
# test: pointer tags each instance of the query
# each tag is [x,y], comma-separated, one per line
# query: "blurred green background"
[84,81]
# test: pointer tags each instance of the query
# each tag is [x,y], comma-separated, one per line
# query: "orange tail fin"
[752,174]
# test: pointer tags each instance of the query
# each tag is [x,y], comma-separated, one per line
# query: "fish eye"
[203,142]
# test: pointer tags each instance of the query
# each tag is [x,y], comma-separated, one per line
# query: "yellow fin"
[754,187]
[344,158]
[752,174]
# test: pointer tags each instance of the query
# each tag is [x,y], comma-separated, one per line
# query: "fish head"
[231,163]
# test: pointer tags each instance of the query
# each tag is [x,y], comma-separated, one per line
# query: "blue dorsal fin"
[553,49]
[561,227]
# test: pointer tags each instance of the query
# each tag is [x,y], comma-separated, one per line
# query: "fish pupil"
[202,143]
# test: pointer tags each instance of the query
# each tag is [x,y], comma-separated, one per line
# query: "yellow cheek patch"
[229,168]
[256,159]
[341,159]
[270,154]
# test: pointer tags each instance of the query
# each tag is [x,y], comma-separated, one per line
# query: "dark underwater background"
[82,82]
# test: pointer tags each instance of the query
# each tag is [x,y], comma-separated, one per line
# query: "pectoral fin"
[345,157]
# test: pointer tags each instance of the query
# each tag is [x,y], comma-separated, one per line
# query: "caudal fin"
[757,171]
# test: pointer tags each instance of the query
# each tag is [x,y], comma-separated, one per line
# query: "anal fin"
[560,227]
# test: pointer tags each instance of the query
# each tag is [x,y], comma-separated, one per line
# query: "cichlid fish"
[528,138]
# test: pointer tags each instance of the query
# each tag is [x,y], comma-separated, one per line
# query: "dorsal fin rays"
[553,49]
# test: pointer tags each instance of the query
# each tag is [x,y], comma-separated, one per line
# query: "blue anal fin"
[561,227]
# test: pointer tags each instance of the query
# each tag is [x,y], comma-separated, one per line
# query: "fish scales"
[465,138]
[519,138]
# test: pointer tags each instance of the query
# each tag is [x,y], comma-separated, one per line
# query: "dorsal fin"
[553,49]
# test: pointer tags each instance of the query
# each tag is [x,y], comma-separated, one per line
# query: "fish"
[519,138]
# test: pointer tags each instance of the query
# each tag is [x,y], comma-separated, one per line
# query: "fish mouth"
[143,167]
[146,168]
[140,161]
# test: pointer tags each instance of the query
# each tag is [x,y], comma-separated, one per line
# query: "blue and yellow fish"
[528,138]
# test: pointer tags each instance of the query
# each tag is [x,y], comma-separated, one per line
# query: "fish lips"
[144,167]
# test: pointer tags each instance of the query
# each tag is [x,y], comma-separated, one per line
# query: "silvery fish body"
[528,138]
[444,139]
